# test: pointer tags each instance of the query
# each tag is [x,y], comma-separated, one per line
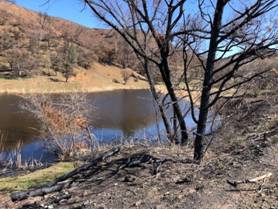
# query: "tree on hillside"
[122,51]
[44,21]
[70,60]
[155,30]
[6,41]
[65,59]
[85,58]
[20,61]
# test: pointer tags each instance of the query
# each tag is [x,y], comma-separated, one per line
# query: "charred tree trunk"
[205,98]
[175,126]
[165,72]
[156,98]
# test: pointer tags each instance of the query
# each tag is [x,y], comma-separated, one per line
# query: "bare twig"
[247,181]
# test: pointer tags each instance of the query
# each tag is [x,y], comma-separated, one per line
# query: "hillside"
[33,24]
[38,53]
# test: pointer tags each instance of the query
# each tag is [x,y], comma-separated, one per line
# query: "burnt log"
[86,167]
[63,181]
[18,196]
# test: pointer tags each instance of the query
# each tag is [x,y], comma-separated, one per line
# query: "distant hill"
[44,36]
[31,22]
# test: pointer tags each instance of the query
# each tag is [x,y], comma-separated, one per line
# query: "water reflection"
[16,125]
[114,115]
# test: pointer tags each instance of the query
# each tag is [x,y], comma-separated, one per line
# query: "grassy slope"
[36,178]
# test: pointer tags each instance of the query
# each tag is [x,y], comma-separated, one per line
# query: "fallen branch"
[264,135]
[85,172]
[17,196]
[63,181]
[85,167]
[246,181]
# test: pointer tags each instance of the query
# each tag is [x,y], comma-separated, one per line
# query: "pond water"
[115,115]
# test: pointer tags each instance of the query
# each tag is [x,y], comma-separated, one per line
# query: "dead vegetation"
[64,118]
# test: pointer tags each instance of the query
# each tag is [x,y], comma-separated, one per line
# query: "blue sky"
[62,8]
[69,9]
[74,10]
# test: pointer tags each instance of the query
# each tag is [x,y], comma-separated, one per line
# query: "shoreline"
[41,85]
[65,91]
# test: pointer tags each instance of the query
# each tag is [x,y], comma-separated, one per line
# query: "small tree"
[63,120]
[21,62]
[44,21]
[85,57]
[57,61]
[107,56]
[123,51]
[6,41]
[65,59]
[34,45]
[70,60]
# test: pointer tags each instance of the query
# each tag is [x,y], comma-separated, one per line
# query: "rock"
[185,180]
[138,203]
[128,179]
[101,207]
[199,187]
[87,202]
[115,80]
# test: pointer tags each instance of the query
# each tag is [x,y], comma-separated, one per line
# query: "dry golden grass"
[98,78]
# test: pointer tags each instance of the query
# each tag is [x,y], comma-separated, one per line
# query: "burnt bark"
[156,98]
[165,73]
[205,98]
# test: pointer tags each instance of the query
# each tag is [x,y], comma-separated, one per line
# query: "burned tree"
[222,36]
[223,44]
[147,27]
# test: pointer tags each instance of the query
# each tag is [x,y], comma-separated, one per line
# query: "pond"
[115,115]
